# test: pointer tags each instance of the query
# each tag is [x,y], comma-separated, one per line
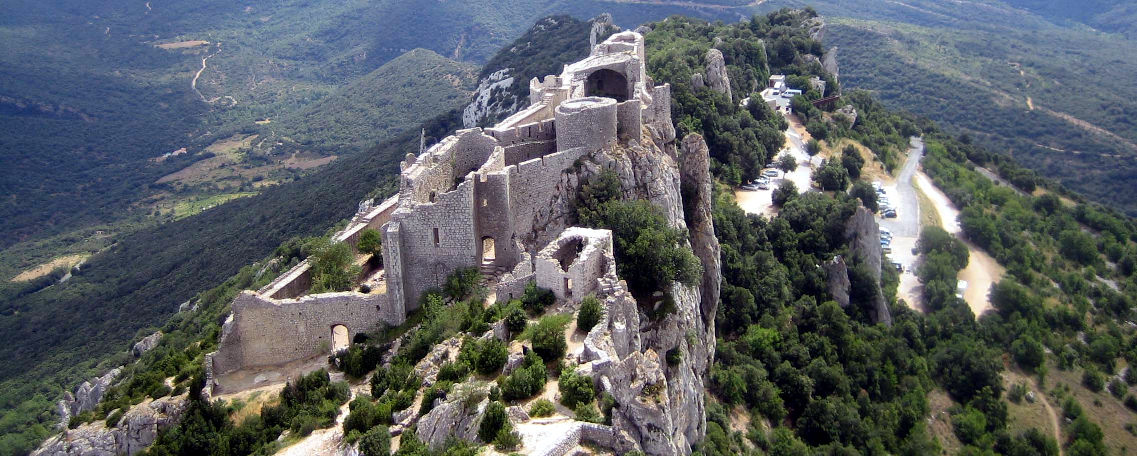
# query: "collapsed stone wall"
[264,332]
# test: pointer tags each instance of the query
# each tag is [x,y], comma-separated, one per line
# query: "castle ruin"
[496,198]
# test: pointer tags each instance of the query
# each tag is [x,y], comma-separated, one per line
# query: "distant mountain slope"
[380,103]
[1115,16]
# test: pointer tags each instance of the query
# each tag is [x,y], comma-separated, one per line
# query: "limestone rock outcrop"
[86,396]
[458,416]
[146,344]
[136,430]
[717,77]
[697,192]
[863,237]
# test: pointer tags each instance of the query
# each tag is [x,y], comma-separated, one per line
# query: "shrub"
[542,407]
[462,283]
[536,299]
[492,421]
[787,163]
[492,356]
[516,320]
[376,442]
[526,381]
[549,338]
[649,253]
[455,371]
[331,265]
[1118,388]
[362,415]
[507,439]
[589,314]
[1093,380]
[575,388]
[674,356]
[370,242]
[587,412]
[113,418]
[436,391]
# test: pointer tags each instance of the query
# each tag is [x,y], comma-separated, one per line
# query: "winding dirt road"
[193,83]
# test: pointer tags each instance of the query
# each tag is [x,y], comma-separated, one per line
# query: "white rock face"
[485,104]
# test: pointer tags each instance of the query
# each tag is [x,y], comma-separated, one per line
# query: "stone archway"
[607,83]
[340,338]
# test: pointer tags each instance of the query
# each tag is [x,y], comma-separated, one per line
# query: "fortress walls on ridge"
[253,334]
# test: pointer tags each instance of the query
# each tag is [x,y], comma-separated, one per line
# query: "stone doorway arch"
[607,83]
[340,338]
[489,250]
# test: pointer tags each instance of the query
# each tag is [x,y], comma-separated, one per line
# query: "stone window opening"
[568,287]
[432,196]
[436,243]
[340,339]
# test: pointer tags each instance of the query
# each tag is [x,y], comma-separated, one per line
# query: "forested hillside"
[797,374]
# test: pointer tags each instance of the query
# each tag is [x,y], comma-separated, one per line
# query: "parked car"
[890,213]
[885,232]
[764,185]
[899,267]
[750,187]
[770,173]
[886,250]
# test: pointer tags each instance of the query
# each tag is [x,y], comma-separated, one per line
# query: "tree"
[492,355]
[1028,352]
[863,191]
[787,163]
[649,254]
[784,193]
[493,420]
[370,242]
[331,265]
[589,314]
[813,147]
[831,176]
[852,161]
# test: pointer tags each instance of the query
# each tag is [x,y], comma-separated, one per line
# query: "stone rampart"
[586,122]
[265,332]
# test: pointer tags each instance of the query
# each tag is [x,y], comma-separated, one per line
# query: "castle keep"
[496,198]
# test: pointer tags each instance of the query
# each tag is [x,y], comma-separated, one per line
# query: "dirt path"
[1053,417]
[193,83]
[982,270]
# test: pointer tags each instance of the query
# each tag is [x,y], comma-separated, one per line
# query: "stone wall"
[586,122]
[571,265]
[264,332]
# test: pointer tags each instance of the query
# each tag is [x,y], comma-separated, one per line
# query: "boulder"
[863,236]
[838,280]
[696,181]
[134,432]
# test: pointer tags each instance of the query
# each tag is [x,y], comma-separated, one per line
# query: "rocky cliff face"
[717,78]
[863,236]
[135,431]
[86,396]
